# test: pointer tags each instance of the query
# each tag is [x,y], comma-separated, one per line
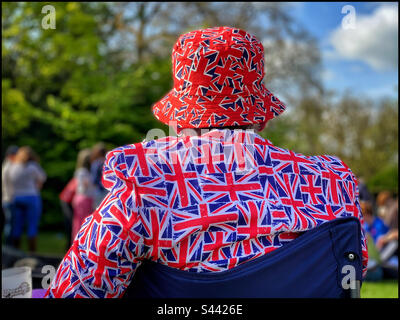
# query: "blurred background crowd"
[381,225]
[22,181]
[95,76]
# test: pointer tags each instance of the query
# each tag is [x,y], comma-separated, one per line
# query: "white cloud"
[374,39]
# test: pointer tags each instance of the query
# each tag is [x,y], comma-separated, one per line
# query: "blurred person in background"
[387,207]
[6,193]
[387,244]
[27,178]
[97,158]
[374,225]
[83,199]
[66,196]
[374,228]
[365,195]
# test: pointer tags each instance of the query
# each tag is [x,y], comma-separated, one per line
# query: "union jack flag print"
[218,81]
[194,204]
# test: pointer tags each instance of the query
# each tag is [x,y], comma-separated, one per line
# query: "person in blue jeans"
[27,178]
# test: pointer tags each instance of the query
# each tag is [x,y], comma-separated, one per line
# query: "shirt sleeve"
[107,250]
[38,172]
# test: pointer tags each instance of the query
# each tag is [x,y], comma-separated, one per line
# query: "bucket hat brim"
[201,111]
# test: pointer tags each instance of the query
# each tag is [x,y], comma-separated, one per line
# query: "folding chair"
[321,263]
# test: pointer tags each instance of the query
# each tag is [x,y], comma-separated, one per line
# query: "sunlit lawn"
[380,289]
[48,243]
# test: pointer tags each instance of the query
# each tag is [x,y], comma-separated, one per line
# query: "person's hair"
[99,150]
[26,154]
[83,159]
[382,197]
[11,150]
[366,208]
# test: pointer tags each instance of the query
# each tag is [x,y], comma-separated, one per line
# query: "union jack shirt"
[203,204]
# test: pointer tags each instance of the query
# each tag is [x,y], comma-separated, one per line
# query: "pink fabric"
[83,207]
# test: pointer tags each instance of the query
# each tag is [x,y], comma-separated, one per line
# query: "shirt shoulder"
[132,160]
[36,169]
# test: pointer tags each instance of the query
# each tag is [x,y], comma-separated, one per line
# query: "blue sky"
[364,59]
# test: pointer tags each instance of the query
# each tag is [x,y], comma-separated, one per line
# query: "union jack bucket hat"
[218,81]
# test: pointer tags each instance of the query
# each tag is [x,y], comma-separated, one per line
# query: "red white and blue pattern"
[202,204]
[218,81]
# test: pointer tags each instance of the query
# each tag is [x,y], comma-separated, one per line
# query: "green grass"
[380,289]
[48,243]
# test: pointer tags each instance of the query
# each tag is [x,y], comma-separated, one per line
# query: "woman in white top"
[27,177]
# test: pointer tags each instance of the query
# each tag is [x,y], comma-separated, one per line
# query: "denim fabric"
[28,210]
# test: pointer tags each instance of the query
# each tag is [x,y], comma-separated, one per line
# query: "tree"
[363,133]
[292,56]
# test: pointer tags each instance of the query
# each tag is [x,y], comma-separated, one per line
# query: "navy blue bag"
[321,263]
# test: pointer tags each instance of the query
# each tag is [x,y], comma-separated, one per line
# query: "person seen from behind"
[216,196]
